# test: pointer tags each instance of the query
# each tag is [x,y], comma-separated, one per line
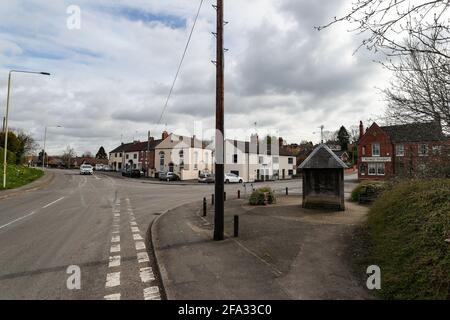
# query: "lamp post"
[45,139]
[5,150]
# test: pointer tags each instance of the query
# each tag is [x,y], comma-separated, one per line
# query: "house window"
[291,172]
[235,158]
[195,160]
[376,168]
[126,156]
[260,159]
[375,149]
[423,150]
[276,160]
[115,155]
[290,160]
[399,150]
[135,156]
[181,155]
[437,150]
[120,155]
[161,160]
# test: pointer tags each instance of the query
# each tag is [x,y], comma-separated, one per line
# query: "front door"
[171,167]
[284,172]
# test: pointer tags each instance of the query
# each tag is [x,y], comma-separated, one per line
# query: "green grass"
[405,234]
[379,186]
[17,176]
[257,196]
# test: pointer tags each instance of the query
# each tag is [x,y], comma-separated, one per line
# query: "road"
[98,223]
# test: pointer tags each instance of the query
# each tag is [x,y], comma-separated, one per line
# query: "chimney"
[150,138]
[165,134]
[280,141]
[361,129]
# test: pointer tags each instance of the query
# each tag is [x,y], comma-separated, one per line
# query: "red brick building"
[400,150]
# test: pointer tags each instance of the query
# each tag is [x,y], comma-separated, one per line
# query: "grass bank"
[17,176]
[407,235]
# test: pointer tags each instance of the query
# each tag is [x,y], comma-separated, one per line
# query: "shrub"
[10,158]
[257,197]
[408,230]
[377,186]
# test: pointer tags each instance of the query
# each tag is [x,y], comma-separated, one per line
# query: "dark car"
[135,173]
[169,176]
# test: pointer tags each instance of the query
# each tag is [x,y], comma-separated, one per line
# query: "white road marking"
[51,203]
[115,296]
[140,245]
[18,219]
[152,293]
[115,238]
[137,236]
[133,223]
[146,274]
[114,261]
[116,231]
[142,257]
[112,279]
[116,215]
[135,229]
[115,248]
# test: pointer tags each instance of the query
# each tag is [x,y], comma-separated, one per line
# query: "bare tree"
[386,23]
[420,89]
[68,155]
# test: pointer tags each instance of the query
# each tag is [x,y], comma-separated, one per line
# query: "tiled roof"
[322,158]
[136,146]
[415,132]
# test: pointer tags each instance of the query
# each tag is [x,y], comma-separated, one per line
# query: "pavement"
[282,252]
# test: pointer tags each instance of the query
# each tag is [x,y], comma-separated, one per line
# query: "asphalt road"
[98,223]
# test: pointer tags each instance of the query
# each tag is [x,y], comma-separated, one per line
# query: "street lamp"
[45,138]
[6,117]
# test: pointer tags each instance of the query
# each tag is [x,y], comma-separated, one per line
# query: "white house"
[185,156]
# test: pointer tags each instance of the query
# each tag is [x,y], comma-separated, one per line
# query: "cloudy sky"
[111,77]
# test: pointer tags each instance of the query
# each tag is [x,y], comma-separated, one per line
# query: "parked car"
[107,168]
[134,173]
[86,169]
[232,178]
[206,178]
[168,176]
[99,167]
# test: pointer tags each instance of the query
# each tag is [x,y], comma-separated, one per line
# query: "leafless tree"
[68,155]
[386,23]
[420,89]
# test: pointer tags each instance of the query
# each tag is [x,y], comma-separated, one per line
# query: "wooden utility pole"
[219,166]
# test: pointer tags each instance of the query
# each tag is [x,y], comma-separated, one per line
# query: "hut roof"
[322,158]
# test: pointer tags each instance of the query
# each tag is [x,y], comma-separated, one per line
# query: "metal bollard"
[224,196]
[236,226]
[204,207]
[287,191]
[212,199]
[239,194]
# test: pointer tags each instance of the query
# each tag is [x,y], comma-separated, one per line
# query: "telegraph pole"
[219,166]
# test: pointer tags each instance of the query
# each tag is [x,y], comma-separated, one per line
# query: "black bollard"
[236,226]
[287,191]
[239,194]
[212,199]
[204,207]
[224,196]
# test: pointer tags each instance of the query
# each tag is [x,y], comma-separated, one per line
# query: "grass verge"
[407,235]
[17,176]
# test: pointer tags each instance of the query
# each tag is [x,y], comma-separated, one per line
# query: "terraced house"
[402,150]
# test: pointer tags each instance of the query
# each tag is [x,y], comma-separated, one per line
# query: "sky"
[111,76]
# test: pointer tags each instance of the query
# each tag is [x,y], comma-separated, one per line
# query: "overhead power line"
[181,62]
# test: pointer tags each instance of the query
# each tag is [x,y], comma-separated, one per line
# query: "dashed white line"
[152,293]
[114,261]
[115,248]
[142,257]
[18,219]
[133,223]
[140,245]
[115,238]
[115,296]
[137,236]
[146,274]
[112,279]
[51,203]
[135,229]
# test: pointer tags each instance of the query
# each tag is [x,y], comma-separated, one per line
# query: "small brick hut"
[323,180]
